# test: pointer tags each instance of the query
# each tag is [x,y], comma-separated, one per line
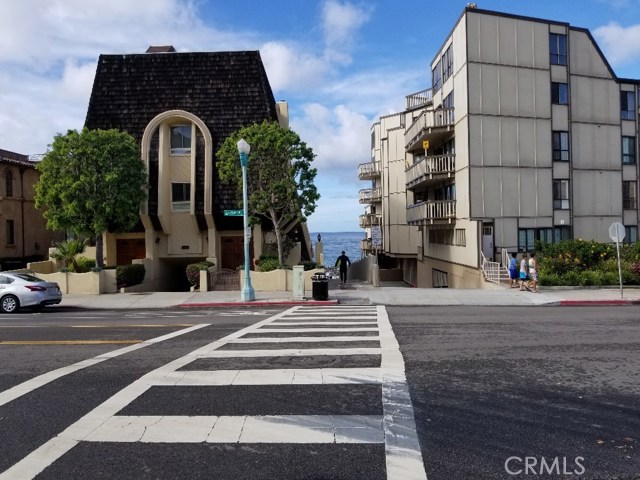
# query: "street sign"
[425,144]
[616,232]
[234,213]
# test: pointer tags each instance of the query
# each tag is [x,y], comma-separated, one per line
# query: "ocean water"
[334,242]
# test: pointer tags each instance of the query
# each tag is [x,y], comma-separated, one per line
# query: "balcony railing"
[442,117]
[429,212]
[419,99]
[430,167]
[369,170]
[366,245]
[370,220]
[370,195]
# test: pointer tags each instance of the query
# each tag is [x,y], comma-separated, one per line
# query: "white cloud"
[290,68]
[621,45]
[341,20]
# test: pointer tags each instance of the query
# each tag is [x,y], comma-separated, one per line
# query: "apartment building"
[525,134]
[24,236]
[181,107]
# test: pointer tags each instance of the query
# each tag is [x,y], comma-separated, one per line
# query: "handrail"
[418,99]
[368,169]
[431,210]
[491,270]
[440,117]
[425,166]
[369,195]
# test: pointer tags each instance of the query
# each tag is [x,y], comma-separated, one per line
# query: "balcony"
[442,118]
[370,195]
[432,212]
[369,170]
[419,99]
[430,168]
[370,220]
[366,245]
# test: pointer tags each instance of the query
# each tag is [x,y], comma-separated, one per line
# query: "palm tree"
[67,250]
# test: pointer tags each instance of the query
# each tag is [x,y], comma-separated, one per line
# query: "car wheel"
[9,304]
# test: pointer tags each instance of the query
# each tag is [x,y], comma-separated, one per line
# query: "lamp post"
[246,294]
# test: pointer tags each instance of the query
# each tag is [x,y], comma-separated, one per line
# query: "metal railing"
[370,195]
[491,270]
[428,211]
[368,170]
[224,279]
[428,119]
[370,219]
[419,99]
[429,166]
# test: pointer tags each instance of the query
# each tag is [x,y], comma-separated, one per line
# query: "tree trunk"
[278,232]
[99,249]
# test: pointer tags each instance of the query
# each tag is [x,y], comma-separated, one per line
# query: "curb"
[259,303]
[595,303]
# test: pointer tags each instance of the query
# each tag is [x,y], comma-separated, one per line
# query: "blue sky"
[340,64]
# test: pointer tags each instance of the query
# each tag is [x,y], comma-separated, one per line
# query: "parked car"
[18,290]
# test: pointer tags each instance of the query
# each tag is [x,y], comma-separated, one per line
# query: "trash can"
[320,286]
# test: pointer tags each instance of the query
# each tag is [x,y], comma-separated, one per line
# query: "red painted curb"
[587,303]
[261,304]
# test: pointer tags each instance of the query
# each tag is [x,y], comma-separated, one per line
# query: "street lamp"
[246,294]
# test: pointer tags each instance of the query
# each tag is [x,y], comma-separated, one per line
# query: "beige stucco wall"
[459,276]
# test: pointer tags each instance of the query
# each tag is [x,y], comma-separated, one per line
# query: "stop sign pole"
[616,233]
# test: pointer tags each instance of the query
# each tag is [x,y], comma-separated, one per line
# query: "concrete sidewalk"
[363,294]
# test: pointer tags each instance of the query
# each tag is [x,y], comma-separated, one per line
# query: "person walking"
[513,271]
[524,277]
[533,273]
[343,261]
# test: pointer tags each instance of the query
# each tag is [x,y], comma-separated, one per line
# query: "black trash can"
[320,286]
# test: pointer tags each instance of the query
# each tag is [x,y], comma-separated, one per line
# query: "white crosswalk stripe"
[394,427]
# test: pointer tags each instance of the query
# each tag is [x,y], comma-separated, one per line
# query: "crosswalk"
[309,375]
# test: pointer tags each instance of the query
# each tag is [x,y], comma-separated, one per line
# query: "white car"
[18,290]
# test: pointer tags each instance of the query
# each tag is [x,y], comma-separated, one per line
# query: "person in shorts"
[513,271]
[524,274]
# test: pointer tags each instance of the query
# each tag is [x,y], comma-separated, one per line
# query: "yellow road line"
[70,342]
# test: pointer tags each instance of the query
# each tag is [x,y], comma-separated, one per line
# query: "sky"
[340,64]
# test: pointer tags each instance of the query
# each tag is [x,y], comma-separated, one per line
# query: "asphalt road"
[497,393]
[493,384]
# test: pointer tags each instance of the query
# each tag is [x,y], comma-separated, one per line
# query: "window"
[627,105]
[180,197]
[436,77]
[8,178]
[180,139]
[630,234]
[628,150]
[447,64]
[558,49]
[629,196]
[561,146]
[561,194]
[559,93]
[441,237]
[527,237]
[440,279]
[561,233]
[461,237]
[10,233]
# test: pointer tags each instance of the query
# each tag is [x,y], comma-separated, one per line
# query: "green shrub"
[129,275]
[549,279]
[308,265]
[269,263]
[84,264]
[193,272]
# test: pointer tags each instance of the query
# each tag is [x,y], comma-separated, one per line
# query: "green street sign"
[233,213]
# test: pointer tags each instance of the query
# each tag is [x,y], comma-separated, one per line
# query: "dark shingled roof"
[16,159]
[227,90]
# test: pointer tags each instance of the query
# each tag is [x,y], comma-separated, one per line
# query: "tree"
[280,178]
[92,182]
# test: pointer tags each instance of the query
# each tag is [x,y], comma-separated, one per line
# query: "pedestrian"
[524,276]
[513,270]
[343,261]
[533,273]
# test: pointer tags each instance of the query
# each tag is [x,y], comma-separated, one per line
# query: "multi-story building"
[24,236]
[181,107]
[526,134]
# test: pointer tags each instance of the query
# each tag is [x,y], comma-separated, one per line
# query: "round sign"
[616,232]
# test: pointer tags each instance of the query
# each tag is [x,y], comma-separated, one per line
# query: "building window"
[627,105]
[10,233]
[441,237]
[628,150]
[436,77]
[180,197]
[561,194]
[447,64]
[629,196]
[180,139]
[630,234]
[561,233]
[440,279]
[561,146]
[558,48]
[527,237]
[8,179]
[460,237]
[559,93]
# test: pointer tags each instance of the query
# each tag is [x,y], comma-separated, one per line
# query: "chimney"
[161,49]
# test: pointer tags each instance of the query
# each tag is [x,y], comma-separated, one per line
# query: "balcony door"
[487,242]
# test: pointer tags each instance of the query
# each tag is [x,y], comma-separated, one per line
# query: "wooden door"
[128,249]
[233,252]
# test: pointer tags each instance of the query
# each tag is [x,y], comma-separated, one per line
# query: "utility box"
[298,282]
